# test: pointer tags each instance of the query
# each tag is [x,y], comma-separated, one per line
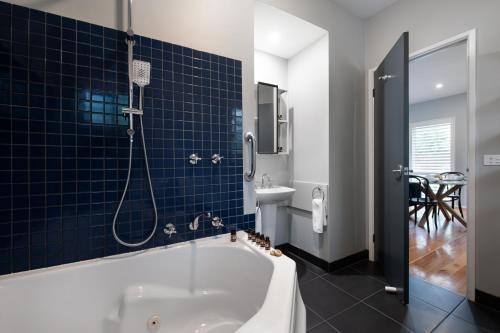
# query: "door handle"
[398,173]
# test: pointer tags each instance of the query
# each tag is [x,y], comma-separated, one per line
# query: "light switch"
[491,159]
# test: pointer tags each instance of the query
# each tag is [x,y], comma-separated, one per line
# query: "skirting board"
[327,266]
[487,299]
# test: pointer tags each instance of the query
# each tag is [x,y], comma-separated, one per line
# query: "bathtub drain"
[153,323]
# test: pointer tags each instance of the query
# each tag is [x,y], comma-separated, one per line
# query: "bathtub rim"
[145,252]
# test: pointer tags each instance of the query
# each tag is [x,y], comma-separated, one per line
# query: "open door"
[391,167]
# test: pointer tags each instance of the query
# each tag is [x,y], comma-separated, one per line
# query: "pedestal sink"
[269,198]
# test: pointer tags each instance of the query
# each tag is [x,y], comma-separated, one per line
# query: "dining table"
[440,192]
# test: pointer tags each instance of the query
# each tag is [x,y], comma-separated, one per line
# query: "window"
[432,146]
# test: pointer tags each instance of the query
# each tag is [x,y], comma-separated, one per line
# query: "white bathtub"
[207,285]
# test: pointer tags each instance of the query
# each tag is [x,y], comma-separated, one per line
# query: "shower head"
[142,71]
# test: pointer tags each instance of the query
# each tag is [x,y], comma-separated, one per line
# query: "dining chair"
[457,195]
[419,195]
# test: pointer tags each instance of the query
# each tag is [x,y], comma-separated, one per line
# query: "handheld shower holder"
[132,111]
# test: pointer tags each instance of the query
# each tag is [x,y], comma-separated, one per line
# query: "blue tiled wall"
[64,147]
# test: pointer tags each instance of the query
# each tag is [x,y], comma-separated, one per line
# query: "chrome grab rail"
[249,175]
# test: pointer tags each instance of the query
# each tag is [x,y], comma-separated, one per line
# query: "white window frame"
[430,123]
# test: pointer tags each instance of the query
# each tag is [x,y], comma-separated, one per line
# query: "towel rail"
[249,175]
[318,190]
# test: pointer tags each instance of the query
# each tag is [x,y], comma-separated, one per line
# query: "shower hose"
[126,188]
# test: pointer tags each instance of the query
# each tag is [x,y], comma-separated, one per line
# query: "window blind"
[431,149]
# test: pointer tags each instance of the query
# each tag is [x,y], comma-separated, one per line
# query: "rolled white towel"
[318,215]
[258,219]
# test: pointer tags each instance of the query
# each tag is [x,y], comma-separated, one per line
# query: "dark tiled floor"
[352,299]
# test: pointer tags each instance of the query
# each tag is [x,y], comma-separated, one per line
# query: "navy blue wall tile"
[64,143]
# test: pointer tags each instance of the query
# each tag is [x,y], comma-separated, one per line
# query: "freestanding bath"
[207,285]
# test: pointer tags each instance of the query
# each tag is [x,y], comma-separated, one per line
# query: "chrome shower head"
[142,72]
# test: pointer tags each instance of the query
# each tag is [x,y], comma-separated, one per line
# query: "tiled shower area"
[64,147]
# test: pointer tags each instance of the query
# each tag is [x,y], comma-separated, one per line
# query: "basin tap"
[263,183]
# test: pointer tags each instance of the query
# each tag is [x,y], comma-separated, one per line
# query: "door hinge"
[373,93]
[373,238]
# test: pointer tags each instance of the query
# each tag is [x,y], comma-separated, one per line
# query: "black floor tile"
[304,274]
[434,295]
[325,299]
[361,318]
[313,268]
[417,315]
[369,268]
[354,283]
[312,319]
[454,324]
[323,328]
[479,315]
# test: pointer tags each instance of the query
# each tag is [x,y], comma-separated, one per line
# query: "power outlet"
[491,159]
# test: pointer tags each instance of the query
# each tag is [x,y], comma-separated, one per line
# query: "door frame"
[470,38]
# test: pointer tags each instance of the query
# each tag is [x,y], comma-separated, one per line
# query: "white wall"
[308,89]
[429,22]
[308,83]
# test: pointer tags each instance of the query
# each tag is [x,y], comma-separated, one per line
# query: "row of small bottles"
[259,239]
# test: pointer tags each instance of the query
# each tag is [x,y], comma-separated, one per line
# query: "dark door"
[391,161]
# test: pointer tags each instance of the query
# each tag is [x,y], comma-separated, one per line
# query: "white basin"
[274,194]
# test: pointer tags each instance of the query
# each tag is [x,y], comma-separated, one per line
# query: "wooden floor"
[440,257]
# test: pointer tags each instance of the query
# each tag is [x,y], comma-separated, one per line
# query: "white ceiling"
[282,34]
[365,8]
[447,67]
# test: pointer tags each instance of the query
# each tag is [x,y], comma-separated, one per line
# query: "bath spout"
[196,222]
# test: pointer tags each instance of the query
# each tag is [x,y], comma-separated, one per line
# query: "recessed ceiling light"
[439,86]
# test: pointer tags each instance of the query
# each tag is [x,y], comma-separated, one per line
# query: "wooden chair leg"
[415,209]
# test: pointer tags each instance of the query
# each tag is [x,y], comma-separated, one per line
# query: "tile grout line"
[447,316]
[387,316]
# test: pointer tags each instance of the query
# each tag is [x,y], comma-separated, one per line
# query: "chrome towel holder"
[318,191]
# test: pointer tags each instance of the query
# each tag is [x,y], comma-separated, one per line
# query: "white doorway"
[469,38]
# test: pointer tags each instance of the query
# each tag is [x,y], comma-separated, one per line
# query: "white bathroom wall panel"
[271,69]
[308,83]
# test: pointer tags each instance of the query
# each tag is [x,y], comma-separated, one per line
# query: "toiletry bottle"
[257,238]
[268,243]
[233,235]
[262,241]
[249,233]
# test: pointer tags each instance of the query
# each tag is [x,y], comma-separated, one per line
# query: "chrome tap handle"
[169,230]
[194,159]
[217,159]
[217,222]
